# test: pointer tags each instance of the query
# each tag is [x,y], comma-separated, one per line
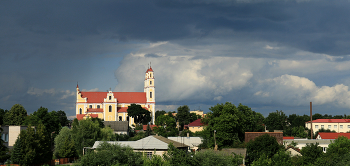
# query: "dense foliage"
[140,115]
[15,116]
[64,144]
[4,151]
[230,123]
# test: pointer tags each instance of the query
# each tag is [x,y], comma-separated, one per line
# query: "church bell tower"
[150,91]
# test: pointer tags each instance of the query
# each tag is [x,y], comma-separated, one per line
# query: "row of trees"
[107,154]
[265,151]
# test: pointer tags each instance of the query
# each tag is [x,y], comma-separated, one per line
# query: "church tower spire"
[150,91]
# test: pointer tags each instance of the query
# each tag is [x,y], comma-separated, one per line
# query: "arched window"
[150,94]
[98,106]
[80,111]
[110,108]
[90,106]
[150,82]
[127,118]
[110,97]
[120,118]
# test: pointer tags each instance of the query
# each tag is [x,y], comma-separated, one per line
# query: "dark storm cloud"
[39,27]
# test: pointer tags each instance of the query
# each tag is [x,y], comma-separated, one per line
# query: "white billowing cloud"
[294,90]
[180,78]
[40,92]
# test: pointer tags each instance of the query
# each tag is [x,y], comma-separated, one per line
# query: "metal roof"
[151,142]
[190,141]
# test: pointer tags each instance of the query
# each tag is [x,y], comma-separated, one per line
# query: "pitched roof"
[149,70]
[327,135]
[151,126]
[81,116]
[117,125]
[190,141]
[151,142]
[122,97]
[94,110]
[288,138]
[330,121]
[196,123]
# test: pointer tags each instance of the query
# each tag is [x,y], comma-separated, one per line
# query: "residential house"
[252,135]
[119,127]
[196,125]
[150,145]
[10,134]
[328,135]
[192,142]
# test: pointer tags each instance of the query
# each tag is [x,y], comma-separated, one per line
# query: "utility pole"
[216,146]
[312,132]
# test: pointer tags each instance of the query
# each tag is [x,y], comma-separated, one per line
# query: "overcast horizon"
[268,55]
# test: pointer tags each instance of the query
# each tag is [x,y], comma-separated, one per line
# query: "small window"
[150,82]
[110,108]
[329,126]
[127,118]
[98,106]
[150,94]
[80,111]
[150,75]
[149,155]
[90,106]
[348,126]
[341,126]
[335,126]
[120,118]
[324,149]
[322,126]
[316,126]
[110,97]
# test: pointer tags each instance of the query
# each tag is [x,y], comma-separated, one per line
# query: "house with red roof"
[196,125]
[338,125]
[328,135]
[113,106]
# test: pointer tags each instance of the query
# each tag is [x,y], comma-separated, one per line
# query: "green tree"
[62,118]
[183,115]
[194,116]
[311,152]
[2,115]
[264,145]
[280,158]
[230,124]
[317,116]
[340,146]
[166,126]
[4,152]
[85,132]
[140,115]
[107,154]
[276,121]
[158,113]
[17,152]
[64,144]
[107,134]
[15,116]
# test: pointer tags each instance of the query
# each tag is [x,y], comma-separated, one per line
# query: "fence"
[51,162]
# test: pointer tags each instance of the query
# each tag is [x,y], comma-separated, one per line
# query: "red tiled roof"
[122,97]
[145,127]
[196,123]
[333,135]
[149,70]
[330,121]
[288,138]
[125,109]
[94,110]
[81,116]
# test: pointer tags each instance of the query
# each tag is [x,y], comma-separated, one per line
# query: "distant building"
[192,142]
[144,127]
[338,125]
[196,125]
[119,127]
[10,134]
[198,112]
[112,106]
[303,142]
[252,135]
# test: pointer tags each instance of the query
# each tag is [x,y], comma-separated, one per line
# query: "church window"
[150,82]
[120,118]
[110,108]
[150,94]
[150,75]
[127,118]
[98,106]
[90,106]
[80,111]
[110,97]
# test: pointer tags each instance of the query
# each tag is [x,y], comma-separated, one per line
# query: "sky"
[266,54]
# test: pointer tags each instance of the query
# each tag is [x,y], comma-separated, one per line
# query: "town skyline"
[267,55]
